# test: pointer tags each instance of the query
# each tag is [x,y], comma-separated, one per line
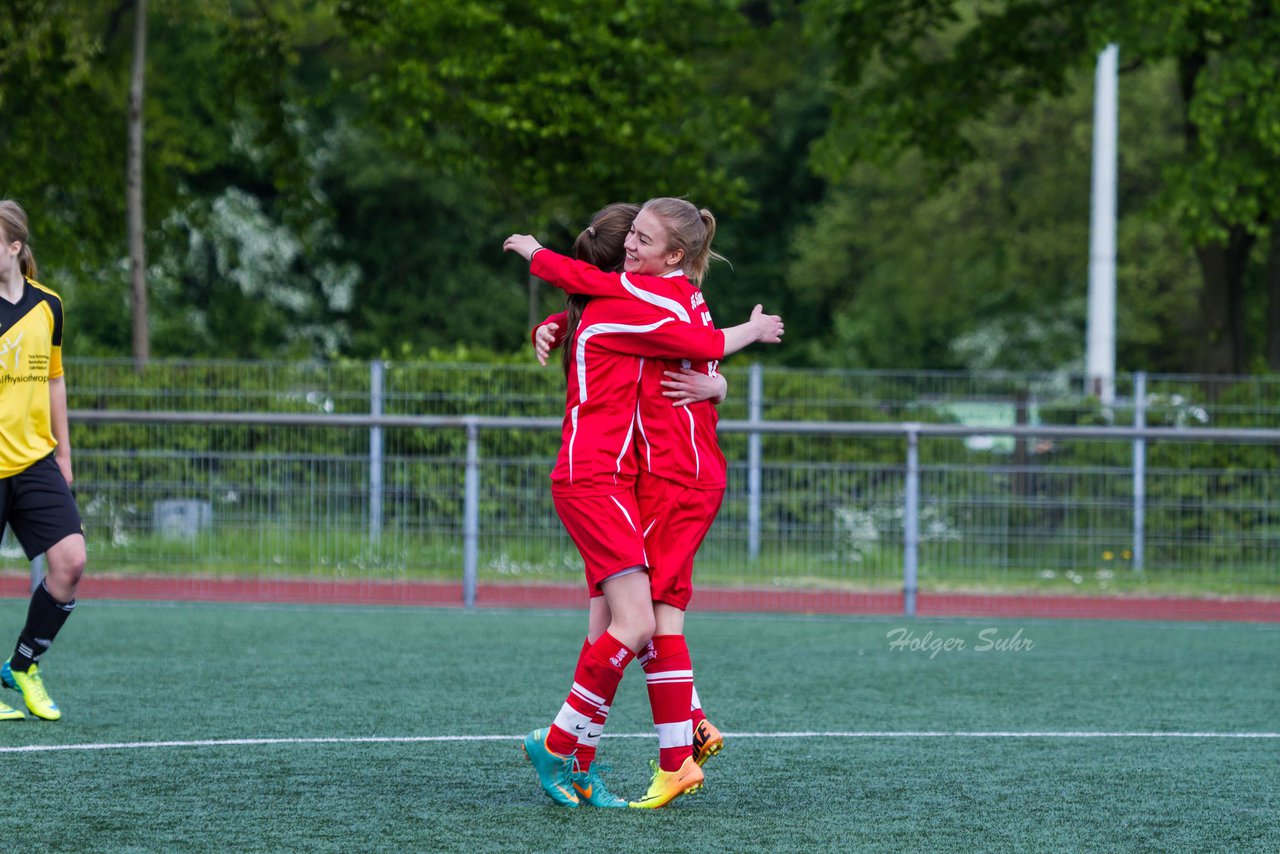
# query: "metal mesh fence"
[374,503]
[991,398]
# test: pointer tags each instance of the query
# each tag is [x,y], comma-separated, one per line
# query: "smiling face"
[646,247]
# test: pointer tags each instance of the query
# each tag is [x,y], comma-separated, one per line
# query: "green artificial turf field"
[306,728]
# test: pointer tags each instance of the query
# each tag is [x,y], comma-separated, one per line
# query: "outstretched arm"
[523,245]
[557,269]
[578,277]
[657,333]
[761,328]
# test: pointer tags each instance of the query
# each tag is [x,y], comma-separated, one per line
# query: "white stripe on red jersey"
[678,443]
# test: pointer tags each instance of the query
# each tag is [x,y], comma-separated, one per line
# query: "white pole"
[911,524]
[755,393]
[1100,355]
[471,516]
[1139,472]
[377,371]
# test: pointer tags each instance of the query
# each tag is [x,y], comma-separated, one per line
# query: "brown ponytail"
[599,244]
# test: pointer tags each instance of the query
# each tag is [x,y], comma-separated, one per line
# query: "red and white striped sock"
[589,741]
[669,677]
[595,681]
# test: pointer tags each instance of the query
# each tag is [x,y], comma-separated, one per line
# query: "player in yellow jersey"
[35,458]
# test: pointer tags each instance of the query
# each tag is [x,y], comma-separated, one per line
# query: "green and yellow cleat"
[554,770]
[707,742]
[593,792]
[31,686]
[9,713]
[666,786]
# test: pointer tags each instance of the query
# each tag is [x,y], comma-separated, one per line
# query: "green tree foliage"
[488,118]
[332,178]
[919,75]
[779,71]
[241,240]
[987,267]
[426,245]
[559,106]
[249,262]
[63,140]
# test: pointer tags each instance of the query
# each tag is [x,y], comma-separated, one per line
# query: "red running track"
[303,591]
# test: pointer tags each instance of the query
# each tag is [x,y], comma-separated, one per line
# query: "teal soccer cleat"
[593,792]
[555,770]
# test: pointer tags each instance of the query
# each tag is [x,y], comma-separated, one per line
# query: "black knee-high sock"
[45,615]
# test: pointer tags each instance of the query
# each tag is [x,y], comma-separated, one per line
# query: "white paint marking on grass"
[1000,734]
[239,742]
[418,739]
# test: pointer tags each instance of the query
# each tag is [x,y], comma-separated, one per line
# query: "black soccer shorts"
[38,505]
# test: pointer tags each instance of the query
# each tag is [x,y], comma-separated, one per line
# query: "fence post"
[471,516]
[37,571]
[376,373]
[911,522]
[1139,471]
[755,391]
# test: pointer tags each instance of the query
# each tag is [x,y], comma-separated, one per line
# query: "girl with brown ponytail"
[35,458]
[670,445]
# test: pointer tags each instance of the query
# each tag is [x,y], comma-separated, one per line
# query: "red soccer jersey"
[678,443]
[596,437]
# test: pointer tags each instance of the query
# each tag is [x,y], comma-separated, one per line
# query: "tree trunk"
[1273,299]
[535,311]
[1021,413]
[1224,348]
[137,218]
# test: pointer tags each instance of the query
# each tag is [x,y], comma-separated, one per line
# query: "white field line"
[418,739]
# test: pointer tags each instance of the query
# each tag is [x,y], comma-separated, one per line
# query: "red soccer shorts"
[676,520]
[606,530]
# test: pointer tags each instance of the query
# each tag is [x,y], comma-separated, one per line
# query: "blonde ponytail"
[689,229]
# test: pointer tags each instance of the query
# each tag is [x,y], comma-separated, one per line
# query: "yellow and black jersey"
[30,356]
